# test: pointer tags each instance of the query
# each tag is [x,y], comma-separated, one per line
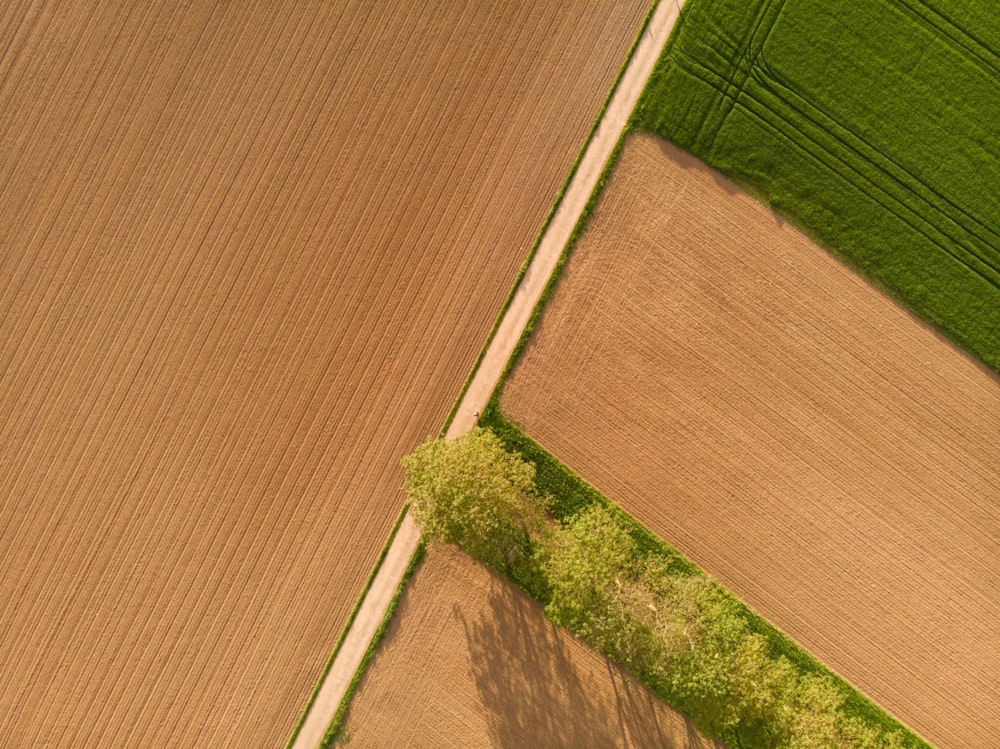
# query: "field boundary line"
[548,217]
[564,221]
[347,627]
[557,232]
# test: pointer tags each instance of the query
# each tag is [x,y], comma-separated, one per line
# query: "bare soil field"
[471,661]
[829,458]
[250,252]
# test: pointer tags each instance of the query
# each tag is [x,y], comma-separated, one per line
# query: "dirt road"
[487,375]
[248,254]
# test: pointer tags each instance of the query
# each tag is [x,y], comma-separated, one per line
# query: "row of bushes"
[653,613]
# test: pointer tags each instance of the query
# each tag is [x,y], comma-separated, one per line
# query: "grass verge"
[550,285]
[571,494]
[336,731]
[548,218]
[347,627]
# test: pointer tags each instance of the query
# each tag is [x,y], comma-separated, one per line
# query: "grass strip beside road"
[551,214]
[335,732]
[347,627]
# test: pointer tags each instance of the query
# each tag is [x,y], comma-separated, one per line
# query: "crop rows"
[251,254]
[871,123]
[782,424]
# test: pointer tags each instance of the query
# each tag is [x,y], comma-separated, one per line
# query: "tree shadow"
[537,693]
[688,161]
[635,704]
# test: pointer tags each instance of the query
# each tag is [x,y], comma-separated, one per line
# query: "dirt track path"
[529,291]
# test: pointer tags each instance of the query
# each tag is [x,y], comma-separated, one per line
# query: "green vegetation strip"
[872,125]
[336,732]
[570,497]
[550,285]
[552,212]
[347,627]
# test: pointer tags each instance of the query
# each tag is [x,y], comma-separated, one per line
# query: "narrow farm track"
[251,254]
[823,453]
[510,328]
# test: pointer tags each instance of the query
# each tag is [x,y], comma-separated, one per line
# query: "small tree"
[671,605]
[727,682]
[473,492]
[590,564]
[810,717]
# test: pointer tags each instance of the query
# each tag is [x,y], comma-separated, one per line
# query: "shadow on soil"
[534,692]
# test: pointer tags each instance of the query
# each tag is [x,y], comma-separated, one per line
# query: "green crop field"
[874,125]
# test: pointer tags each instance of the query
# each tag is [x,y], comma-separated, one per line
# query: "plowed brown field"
[248,254]
[470,661]
[828,457]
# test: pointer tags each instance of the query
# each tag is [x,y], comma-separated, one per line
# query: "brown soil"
[470,661]
[480,389]
[828,457]
[250,253]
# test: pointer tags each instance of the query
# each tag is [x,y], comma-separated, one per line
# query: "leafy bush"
[472,492]
[638,602]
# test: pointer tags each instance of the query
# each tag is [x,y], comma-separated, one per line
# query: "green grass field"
[875,126]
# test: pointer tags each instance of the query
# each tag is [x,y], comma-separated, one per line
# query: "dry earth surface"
[605,136]
[250,252]
[828,457]
[471,661]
